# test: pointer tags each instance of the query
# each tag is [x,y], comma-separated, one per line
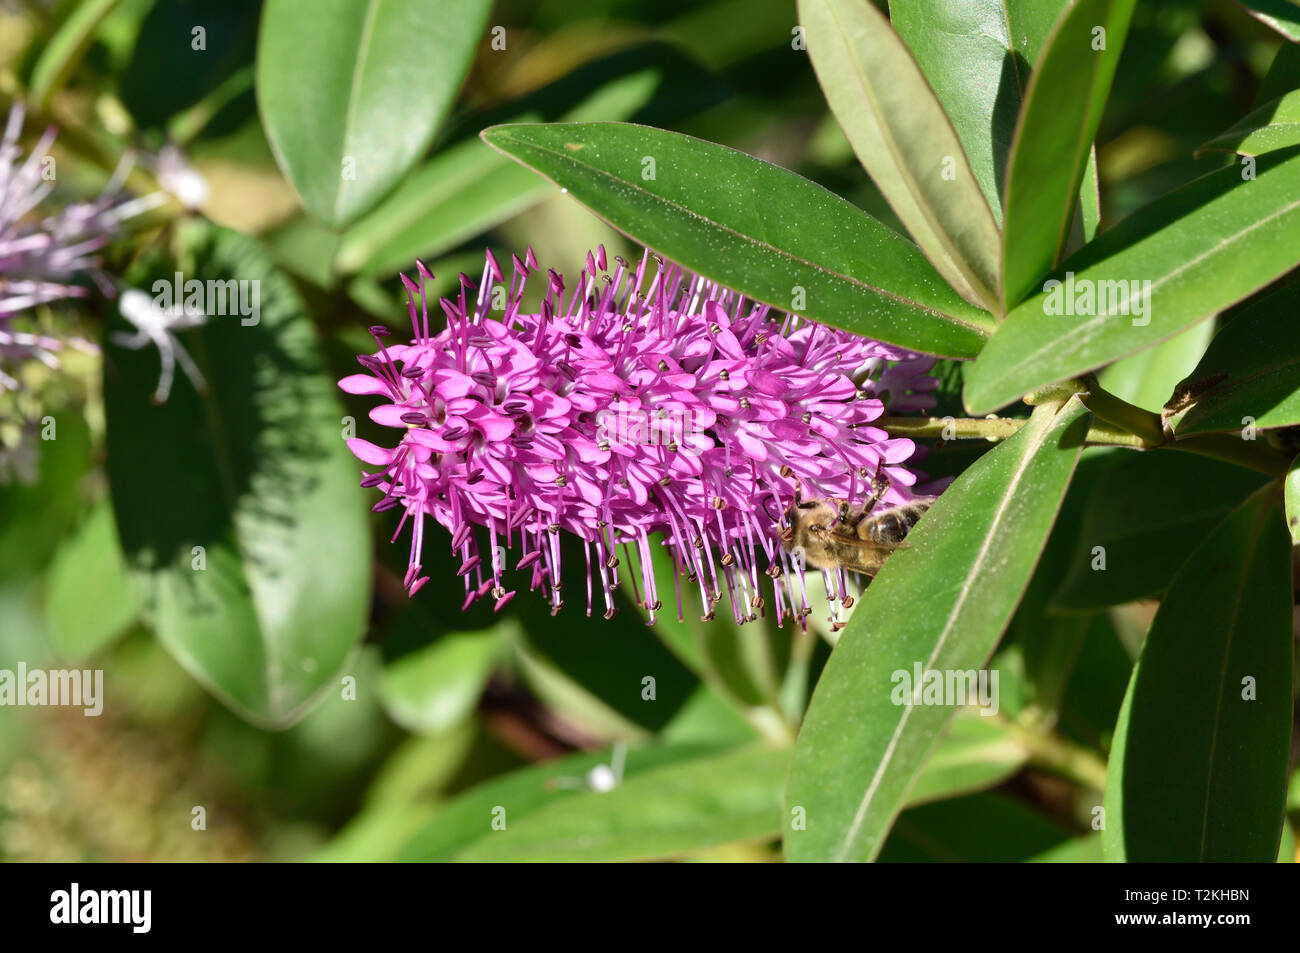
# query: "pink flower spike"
[649,402]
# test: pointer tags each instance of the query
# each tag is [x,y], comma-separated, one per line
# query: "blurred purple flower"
[40,257]
[640,401]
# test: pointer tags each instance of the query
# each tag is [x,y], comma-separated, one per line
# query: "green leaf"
[666,812]
[739,661]
[89,601]
[36,517]
[1090,198]
[941,603]
[754,227]
[1199,767]
[467,188]
[1051,643]
[1283,74]
[1147,513]
[352,93]
[1148,377]
[1292,494]
[707,718]
[1253,369]
[255,471]
[985,827]
[65,49]
[178,79]
[905,141]
[1202,247]
[1063,107]
[1080,850]
[1281,15]
[608,658]
[977,753]
[468,818]
[976,55]
[435,688]
[1275,125]
[463,190]
[1098,680]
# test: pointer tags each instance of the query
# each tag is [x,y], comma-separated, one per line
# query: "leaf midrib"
[354,93]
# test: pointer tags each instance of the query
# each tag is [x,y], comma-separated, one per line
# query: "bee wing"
[875,546]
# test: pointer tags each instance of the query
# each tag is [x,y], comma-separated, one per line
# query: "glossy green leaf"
[984,827]
[1199,767]
[467,819]
[238,508]
[978,752]
[941,603]
[666,812]
[352,93]
[435,688]
[89,601]
[1202,248]
[1063,107]
[1143,518]
[754,227]
[1281,15]
[1253,369]
[1292,494]
[467,188]
[1275,125]
[976,55]
[904,140]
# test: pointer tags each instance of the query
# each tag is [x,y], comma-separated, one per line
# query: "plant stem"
[1059,755]
[1128,417]
[952,428]
[1233,449]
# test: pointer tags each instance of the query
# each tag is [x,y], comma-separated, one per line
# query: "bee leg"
[879,486]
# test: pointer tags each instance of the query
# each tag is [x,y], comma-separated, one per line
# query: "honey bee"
[837,534]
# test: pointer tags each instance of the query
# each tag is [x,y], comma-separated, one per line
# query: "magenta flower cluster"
[641,406]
